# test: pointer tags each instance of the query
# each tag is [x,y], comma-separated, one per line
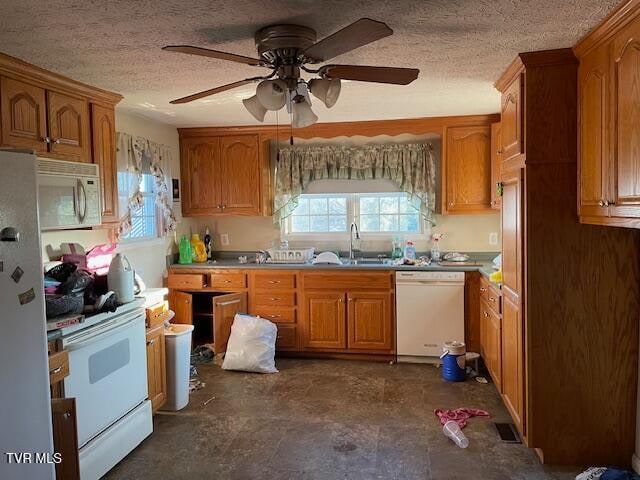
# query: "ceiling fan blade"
[363,73]
[359,33]
[206,52]
[211,91]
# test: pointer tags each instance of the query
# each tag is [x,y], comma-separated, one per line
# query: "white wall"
[148,258]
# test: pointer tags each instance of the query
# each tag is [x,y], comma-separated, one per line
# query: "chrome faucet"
[354,226]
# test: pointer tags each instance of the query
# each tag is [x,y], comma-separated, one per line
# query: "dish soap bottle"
[198,251]
[396,249]
[207,242]
[410,251]
[185,251]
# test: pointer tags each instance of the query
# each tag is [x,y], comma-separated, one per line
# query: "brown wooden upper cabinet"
[222,175]
[103,132]
[467,170]
[53,124]
[511,113]
[496,164]
[609,114]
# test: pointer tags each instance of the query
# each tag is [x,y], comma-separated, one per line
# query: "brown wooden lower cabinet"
[65,437]
[369,321]
[512,359]
[156,367]
[324,323]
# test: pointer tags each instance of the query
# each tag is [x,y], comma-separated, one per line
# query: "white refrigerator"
[25,403]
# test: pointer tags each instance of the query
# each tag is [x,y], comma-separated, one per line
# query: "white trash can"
[178,355]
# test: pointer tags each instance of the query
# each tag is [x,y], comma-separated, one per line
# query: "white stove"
[108,378]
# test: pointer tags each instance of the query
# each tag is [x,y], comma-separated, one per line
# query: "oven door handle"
[101,333]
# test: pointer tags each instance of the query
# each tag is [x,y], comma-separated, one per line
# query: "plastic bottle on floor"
[452,430]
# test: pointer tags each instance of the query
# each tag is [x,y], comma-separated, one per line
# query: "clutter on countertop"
[96,260]
[410,251]
[121,278]
[496,276]
[185,255]
[435,246]
[456,257]
[207,243]
[252,345]
[329,258]
[198,249]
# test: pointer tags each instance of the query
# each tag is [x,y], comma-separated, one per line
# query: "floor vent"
[508,432]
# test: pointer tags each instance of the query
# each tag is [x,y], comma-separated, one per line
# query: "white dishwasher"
[429,312]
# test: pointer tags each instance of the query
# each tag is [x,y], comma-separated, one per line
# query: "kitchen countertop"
[483,267]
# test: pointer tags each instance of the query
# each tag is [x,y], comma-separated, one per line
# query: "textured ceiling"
[460,47]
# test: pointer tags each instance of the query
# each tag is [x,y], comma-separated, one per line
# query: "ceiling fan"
[287,50]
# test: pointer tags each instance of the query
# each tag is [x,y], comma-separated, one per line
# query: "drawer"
[348,281]
[276,314]
[494,300]
[157,314]
[287,337]
[228,280]
[274,280]
[185,280]
[278,299]
[58,366]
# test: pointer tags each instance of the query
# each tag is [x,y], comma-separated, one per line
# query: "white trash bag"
[252,345]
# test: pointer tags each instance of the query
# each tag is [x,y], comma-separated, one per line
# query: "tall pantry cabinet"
[570,316]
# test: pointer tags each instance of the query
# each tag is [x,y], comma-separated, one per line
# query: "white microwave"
[68,194]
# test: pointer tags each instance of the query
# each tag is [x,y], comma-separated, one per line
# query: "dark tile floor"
[330,419]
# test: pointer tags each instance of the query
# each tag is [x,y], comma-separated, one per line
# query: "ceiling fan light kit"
[286,50]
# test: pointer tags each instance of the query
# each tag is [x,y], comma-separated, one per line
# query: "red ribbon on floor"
[459,415]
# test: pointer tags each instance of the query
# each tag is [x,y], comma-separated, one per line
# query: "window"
[329,215]
[143,220]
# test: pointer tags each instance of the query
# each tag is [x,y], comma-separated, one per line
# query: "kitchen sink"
[369,261]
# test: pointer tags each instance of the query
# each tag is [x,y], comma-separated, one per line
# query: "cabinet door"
[324,320]
[496,164]
[24,115]
[181,304]
[467,169]
[513,358]
[491,342]
[626,123]
[103,133]
[199,161]
[593,88]
[68,126]
[156,367]
[511,115]
[65,437]
[512,229]
[225,308]
[240,175]
[370,321]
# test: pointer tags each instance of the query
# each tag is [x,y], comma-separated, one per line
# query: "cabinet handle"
[274,316]
[223,206]
[601,203]
[55,370]
[275,299]
[151,342]
[341,300]
[274,281]
[46,140]
[485,314]
[492,299]
[482,289]
[227,281]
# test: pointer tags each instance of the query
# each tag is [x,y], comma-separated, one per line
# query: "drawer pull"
[275,299]
[485,314]
[55,370]
[151,342]
[482,289]
[274,316]
[492,299]
[274,281]
[227,281]
[66,415]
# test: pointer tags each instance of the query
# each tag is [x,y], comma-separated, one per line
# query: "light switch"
[493,238]
[224,239]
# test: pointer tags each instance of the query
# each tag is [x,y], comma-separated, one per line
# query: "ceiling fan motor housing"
[284,44]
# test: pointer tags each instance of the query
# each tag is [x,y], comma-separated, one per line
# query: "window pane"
[338,205]
[369,223]
[319,223]
[389,204]
[409,223]
[302,208]
[299,224]
[388,223]
[318,206]
[405,206]
[338,223]
[368,205]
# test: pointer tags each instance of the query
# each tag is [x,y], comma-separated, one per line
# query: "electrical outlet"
[493,238]
[224,239]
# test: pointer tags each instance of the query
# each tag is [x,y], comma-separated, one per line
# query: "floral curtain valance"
[410,166]
[135,156]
